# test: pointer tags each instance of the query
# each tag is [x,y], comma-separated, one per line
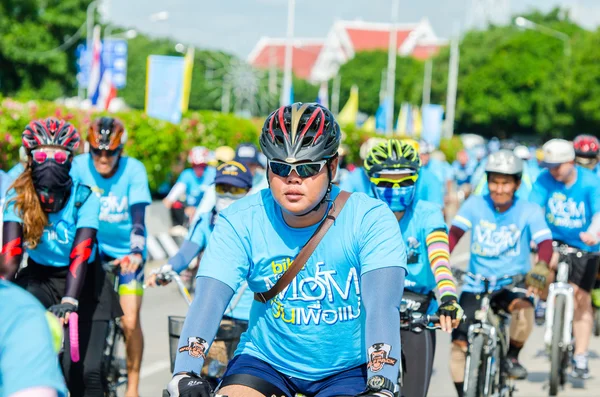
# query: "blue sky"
[236,25]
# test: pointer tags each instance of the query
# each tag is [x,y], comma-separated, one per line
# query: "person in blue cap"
[232,182]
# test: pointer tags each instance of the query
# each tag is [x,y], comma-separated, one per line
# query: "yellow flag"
[369,125]
[417,121]
[187,78]
[402,120]
[349,112]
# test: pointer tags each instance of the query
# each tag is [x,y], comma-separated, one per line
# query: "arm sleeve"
[545,250]
[382,294]
[464,218]
[81,252]
[201,323]
[29,362]
[137,239]
[188,251]
[439,259]
[12,249]
[454,236]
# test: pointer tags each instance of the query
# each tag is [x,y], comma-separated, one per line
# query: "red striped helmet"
[51,132]
[586,146]
[300,132]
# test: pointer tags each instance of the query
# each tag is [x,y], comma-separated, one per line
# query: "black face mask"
[52,183]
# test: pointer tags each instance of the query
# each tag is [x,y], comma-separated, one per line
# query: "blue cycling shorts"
[346,383]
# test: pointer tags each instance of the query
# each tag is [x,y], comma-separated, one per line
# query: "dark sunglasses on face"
[107,153]
[304,170]
[59,156]
[223,188]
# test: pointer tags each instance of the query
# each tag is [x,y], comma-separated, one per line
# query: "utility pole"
[427,82]
[335,94]
[287,71]
[452,83]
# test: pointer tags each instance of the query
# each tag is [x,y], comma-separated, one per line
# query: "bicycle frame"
[560,287]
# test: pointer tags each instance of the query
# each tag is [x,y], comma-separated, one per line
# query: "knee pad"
[458,359]
[522,324]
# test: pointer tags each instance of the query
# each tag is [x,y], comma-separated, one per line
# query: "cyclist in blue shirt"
[55,219]
[121,182]
[334,329]
[441,169]
[570,197]
[502,229]
[190,187]
[428,187]
[28,362]
[394,169]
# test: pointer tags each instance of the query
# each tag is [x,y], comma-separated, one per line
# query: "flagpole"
[287,71]
[391,76]
[427,82]
[452,83]
[335,94]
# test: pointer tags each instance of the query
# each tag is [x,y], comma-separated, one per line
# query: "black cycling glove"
[60,310]
[450,308]
[188,384]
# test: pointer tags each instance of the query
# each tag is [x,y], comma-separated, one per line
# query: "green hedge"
[160,145]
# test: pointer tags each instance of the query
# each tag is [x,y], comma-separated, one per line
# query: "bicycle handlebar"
[173,276]
[565,249]
[74,336]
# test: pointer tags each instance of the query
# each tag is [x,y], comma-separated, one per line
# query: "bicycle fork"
[555,290]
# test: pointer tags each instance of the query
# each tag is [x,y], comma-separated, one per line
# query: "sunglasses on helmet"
[105,152]
[395,183]
[304,170]
[59,156]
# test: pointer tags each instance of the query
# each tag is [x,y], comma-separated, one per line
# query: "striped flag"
[101,89]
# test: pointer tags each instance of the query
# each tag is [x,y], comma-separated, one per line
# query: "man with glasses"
[333,331]
[121,182]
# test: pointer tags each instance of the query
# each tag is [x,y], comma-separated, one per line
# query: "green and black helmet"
[390,155]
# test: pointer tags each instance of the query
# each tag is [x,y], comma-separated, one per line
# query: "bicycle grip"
[74,336]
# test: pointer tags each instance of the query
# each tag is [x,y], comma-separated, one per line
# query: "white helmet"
[522,152]
[504,162]
[199,155]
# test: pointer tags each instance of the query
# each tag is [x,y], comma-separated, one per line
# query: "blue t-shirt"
[420,220]
[239,306]
[500,242]
[569,210]
[441,170]
[5,181]
[27,356]
[55,245]
[17,170]
[463,173]
[194,186]
[314,328]
[428,187]
[128,186]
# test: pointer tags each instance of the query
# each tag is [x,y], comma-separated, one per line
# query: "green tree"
[29,29]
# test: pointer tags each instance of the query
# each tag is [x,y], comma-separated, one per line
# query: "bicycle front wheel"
[475,370]
[557,350]
[115,357]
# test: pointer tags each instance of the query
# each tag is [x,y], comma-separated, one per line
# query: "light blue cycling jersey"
[420,220]
[27,356]
[299,331]
[194,186]
[239,307]
[17,170]
[5,182]
[428,187]
[569,210]
[500,242]
[128,186]
[55,245]
[462,174]
[441,170]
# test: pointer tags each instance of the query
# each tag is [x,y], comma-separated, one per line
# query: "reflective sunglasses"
[304,170]
[59,156]
[395,183]
[106,152]
[225,188]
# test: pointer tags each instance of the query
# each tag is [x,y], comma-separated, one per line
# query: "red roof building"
[320,60]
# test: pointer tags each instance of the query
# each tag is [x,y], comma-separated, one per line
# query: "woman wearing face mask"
[233,181]
[56,219]
[393,167]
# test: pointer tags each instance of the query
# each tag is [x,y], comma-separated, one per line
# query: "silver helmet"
[504,162]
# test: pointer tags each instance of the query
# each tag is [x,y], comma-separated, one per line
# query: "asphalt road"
[159,303]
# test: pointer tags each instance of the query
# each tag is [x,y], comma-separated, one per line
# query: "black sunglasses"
[304,170]
[106,152]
